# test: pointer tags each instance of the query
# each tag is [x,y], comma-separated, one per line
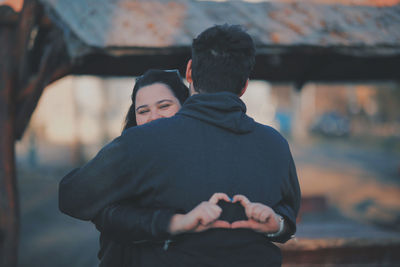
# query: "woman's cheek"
[141,119]
[167,113]
[173,110]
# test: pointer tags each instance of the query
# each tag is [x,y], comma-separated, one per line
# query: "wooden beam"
[53,65]
[299,66]
[9,208]
[41,59]
[26,34]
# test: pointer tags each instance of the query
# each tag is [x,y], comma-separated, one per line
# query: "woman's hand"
[203,217]
[261,218]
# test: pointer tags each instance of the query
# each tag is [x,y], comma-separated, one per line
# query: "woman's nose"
[154,116]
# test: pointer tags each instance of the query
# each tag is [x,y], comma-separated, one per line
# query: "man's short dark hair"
[222,58]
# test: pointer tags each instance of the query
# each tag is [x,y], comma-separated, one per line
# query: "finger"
[209,215]
[219,196]
[220,224]
[200,228]
[205,219]
[216,224]
[242,199]
[265,216]
[215,208]
[241,224]
[213,212]
[201,214]
[197,211]
[250,224]
[256,212]
[249,210]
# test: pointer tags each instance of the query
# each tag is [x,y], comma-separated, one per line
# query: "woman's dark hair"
[222,58]
[170,78]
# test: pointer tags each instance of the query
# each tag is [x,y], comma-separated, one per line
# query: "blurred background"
[326,77]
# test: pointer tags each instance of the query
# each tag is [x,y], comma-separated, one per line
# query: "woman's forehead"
[153,93]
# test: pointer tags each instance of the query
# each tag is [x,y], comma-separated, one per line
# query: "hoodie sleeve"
[104,180]
[290,204]
[124,223]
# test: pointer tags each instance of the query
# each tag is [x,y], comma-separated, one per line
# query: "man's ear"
[244,88]
[189,71]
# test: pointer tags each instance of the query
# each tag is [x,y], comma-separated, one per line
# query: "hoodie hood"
[223,109]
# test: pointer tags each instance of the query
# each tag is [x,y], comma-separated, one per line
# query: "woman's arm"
[108,178]
[124,223]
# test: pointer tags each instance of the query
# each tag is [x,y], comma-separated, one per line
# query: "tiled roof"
[118,26]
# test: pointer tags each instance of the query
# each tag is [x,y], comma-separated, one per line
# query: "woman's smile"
[155,101]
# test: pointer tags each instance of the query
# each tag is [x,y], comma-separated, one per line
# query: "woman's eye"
[142,111]
[165,106]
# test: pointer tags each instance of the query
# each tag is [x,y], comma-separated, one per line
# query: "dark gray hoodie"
[209,146]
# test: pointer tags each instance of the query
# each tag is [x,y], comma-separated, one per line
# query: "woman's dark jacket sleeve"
[124,223]
[106,179]
[289,207]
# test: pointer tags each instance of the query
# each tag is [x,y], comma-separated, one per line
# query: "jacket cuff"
[160,223]
[287,213]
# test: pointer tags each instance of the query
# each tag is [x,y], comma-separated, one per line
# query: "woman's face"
[155,101]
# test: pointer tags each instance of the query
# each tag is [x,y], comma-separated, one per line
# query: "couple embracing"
[191,181]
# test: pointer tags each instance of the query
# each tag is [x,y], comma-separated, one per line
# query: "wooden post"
[9,211]
[20,90]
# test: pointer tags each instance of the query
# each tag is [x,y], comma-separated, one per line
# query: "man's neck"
[192,90]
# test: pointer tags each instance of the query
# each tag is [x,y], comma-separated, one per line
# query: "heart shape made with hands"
[232,212]
[240,212]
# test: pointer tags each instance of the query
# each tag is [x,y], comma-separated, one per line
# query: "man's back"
[189,153]
[212,146]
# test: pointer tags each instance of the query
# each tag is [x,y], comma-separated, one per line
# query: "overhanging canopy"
[296,41]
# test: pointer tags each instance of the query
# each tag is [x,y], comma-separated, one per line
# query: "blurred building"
[77,115]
